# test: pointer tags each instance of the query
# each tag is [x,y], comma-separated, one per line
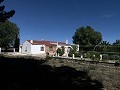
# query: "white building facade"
[29,48]
[44,47]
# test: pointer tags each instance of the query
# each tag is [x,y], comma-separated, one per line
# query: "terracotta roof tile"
[47,43]
[36,42]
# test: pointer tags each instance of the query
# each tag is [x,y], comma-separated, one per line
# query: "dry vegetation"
[27,73]
[109,76]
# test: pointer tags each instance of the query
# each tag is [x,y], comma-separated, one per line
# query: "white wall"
[0,49]
[67,49]
[26,46]
[32,49]
[36,49]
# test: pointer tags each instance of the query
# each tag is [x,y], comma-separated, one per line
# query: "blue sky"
[57,20]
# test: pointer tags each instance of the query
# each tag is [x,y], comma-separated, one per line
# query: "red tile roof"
[47,43]
[35,42]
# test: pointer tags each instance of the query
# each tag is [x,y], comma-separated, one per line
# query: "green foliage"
[114,57]
[105,57]
[9,32]
[103,46]
[86,36]
[117,42]
[86,48]
[91,53]
[110,56]
[17,43]
[48,57]
[95,56]
[105,43]
[60,51]
[5,15]
[107,48]
[73,50]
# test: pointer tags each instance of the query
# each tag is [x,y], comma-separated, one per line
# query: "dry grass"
[109,76]
[31,74]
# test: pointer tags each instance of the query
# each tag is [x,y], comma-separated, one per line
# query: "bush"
[114,57]
[48,57]
[110,53]
[105,57]
[60,51]
[73,51]
[77,55]
[91,53]
[86,47]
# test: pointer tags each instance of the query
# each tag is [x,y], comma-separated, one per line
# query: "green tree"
[9,32]
[5,15]
[105,43]
[17,43]
[117,42]
[60,51]
[74,51]
[86,36]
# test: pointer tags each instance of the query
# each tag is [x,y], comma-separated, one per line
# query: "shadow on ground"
[29,74]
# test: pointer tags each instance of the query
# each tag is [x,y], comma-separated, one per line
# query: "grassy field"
[31,74]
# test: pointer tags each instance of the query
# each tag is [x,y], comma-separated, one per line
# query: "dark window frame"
[42,48]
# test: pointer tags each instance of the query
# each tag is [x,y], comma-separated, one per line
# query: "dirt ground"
[108,75]
[19,73]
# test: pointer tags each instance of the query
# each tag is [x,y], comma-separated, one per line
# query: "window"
[51,48]
[26,49]
[42,48]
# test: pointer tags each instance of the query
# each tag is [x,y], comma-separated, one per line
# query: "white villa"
[43,47]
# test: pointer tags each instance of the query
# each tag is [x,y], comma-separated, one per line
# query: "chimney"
[31,41]
[66,41]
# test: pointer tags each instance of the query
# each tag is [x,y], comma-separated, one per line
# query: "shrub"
[73,51]
[105,57]
[114,57]
[48,57]
[91,53]
[77,55]
[60,51]
[95,58]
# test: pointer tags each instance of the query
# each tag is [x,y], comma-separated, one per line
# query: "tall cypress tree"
[17,43]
